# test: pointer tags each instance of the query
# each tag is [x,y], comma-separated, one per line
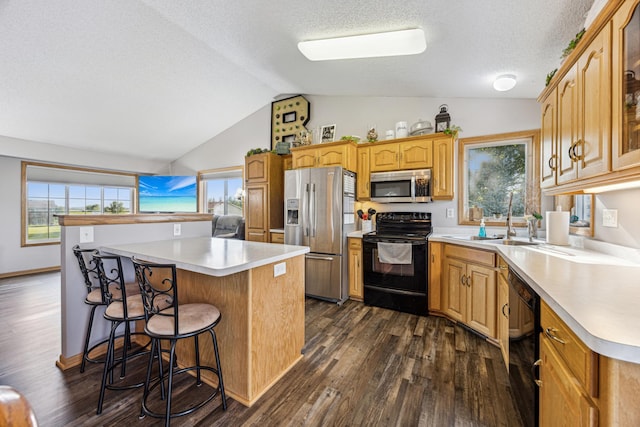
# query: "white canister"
[366,225]
[401,130]
[390,134]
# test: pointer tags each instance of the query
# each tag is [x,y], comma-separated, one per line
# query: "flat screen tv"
[161,193]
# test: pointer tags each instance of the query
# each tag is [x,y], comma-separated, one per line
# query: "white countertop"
[357,234]
[209,255]
[596,294]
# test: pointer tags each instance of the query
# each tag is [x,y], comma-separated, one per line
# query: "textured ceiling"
[157,78]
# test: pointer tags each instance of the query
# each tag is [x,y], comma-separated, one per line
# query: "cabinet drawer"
[580,360]
[355,243]
[277,237]
[470,255]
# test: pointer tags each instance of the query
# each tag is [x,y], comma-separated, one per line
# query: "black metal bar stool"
[94,298]
[122,308]
[166,319]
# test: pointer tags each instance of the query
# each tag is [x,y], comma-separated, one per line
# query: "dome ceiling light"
[504,82]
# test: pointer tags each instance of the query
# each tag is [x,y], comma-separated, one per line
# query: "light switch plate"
[450,212]
[610,217]
[177,229]
[86,234]
[279,269]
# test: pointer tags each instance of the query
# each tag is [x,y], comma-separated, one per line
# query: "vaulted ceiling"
[157,78]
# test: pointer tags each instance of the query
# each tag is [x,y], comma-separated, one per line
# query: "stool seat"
[192,319]
[95,296]
[135,309]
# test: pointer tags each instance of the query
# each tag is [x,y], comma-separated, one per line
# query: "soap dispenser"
[483,231]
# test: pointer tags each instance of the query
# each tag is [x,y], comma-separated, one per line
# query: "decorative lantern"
[443,119]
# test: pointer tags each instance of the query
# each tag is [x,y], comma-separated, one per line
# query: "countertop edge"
[291,252]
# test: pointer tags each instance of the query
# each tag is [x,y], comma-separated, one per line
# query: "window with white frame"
[55,190]
[223,190]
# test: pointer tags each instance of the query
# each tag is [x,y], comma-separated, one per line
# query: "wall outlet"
[177,229]
[450,212]
[279,269]
[610,217]
[86,234]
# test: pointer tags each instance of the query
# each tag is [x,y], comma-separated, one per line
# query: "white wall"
[13,257]
[352,115]
[626,202]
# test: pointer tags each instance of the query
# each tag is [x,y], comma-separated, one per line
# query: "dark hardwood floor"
[362,366]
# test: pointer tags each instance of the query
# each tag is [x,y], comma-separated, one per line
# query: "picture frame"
[328,133]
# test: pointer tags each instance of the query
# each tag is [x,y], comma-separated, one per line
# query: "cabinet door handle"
[508,312]
[549,332]
[462,280]
[571,153]
[533,372]
[579,143]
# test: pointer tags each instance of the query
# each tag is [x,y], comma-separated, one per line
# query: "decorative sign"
[288,117]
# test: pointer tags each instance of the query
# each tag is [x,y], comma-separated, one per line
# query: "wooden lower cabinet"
[469,288]
[277,237]
[562,401]
[356,290]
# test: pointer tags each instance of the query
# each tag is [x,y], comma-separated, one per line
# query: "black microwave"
[401,186]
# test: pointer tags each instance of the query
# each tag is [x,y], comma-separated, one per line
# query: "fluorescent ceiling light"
[613,187]
[504,82]
[394,43]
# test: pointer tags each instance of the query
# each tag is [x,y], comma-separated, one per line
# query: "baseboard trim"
[28,272]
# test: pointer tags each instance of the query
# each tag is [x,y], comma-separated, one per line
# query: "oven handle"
[379,239]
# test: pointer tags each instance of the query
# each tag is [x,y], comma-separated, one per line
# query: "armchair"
[228,226]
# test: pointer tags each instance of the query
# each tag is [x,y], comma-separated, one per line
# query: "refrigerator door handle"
[312,210]
[306,221]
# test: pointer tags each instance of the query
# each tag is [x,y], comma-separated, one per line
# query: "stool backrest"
[112,282]
[88,267]
[159,289]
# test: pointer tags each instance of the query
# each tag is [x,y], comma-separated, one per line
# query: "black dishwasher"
[524,353]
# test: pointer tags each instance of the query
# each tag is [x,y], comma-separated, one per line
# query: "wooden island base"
[261,333]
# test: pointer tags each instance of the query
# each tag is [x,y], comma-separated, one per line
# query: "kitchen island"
[259,289]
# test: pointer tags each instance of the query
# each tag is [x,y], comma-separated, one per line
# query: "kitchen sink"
[494,237]
[512,242]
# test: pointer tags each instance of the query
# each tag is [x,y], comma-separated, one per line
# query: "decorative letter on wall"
[288,117]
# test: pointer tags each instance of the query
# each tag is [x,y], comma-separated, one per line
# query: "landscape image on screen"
[161,193]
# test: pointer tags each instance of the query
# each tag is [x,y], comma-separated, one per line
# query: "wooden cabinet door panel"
[303,159]
[363,179]
[416,155]
[481,302]
[442,169]
[384,157]
[567,126]
[256,213]
[455,292]
[562,402]
[257,168]
[355,269]
[548,139]
[595,106]
[332,156]
[503,318]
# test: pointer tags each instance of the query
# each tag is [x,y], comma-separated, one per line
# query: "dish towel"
[394,253]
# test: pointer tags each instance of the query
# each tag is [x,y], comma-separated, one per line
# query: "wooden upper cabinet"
[442,176]
[594,101]
[342,153]
[548,141]
[363,179]
[576,118]
[257,167]
[625,149]
[384,157]
[416,154]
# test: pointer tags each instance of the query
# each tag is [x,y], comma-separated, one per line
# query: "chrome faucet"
[510,230]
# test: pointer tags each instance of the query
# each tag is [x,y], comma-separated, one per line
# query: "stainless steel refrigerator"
[319,213]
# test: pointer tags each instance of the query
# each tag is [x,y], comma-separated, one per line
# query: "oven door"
[400,287]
